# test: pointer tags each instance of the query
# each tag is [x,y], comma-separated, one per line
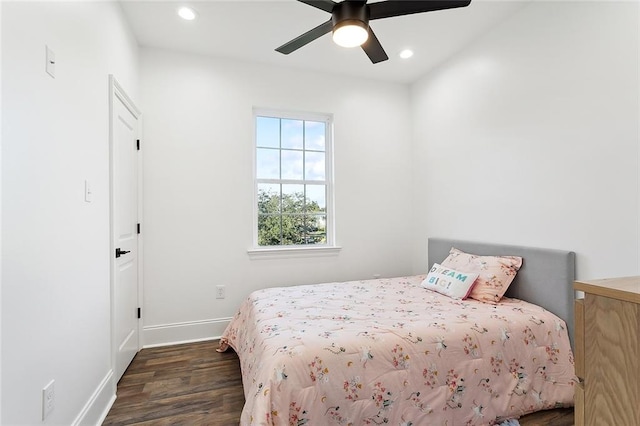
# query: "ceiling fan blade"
[326,5]
[373,48]
[306,38]
[390,8]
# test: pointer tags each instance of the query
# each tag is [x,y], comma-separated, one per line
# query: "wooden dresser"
[607,352]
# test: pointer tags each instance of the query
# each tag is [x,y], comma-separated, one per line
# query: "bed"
[388,351]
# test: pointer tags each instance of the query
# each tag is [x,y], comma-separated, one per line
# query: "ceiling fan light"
[350,33]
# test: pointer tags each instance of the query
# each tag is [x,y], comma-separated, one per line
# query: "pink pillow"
[495,273]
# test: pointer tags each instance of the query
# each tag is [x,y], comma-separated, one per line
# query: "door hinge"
[138,144]
[138,228]
[139,313]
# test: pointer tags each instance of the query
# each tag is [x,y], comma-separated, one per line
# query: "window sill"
[292,252]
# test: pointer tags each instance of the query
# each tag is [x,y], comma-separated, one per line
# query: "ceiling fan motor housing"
[350,13]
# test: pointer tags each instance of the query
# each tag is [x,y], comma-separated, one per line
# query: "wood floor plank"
[192,384]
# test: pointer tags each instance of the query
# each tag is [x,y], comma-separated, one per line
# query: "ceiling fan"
[350,22]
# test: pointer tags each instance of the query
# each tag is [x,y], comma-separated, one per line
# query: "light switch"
[51,62]
[88,195]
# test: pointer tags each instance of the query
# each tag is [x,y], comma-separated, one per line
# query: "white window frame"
[330,247]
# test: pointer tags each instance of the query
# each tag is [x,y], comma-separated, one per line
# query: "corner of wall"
[0,213]
[184,332]
[97,407]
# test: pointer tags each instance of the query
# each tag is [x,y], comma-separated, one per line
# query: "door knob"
[121,252]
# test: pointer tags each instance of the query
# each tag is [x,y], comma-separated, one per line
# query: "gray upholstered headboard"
[545,278]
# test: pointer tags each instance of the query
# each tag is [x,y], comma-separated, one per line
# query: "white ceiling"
[250,30]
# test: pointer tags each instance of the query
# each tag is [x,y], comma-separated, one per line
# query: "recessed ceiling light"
[406,54]
[187,13]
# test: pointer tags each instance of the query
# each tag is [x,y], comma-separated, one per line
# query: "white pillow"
[454,284]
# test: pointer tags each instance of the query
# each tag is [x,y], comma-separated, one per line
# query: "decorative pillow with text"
[449,282]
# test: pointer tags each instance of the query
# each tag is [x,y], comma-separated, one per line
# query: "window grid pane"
[267,132]
[292,164]
[269,199]
[267,163]
[292,135]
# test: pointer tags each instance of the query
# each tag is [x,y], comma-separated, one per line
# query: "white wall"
[530,136]
[0,212]
[55,259]
[198,185]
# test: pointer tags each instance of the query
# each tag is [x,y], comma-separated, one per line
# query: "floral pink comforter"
[390,351]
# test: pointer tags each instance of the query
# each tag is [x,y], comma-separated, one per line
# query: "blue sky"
[292,150]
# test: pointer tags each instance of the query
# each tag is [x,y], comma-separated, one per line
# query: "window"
[293,191]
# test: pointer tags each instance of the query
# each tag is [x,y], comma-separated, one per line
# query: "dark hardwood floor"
[189,384]
[192,384]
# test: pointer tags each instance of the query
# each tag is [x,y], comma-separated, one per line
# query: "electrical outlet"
[220,292]
[48,399]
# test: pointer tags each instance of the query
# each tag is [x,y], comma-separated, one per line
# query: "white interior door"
[124,219]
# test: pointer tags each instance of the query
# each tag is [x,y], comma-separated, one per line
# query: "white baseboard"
[183,332]
[97,407]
